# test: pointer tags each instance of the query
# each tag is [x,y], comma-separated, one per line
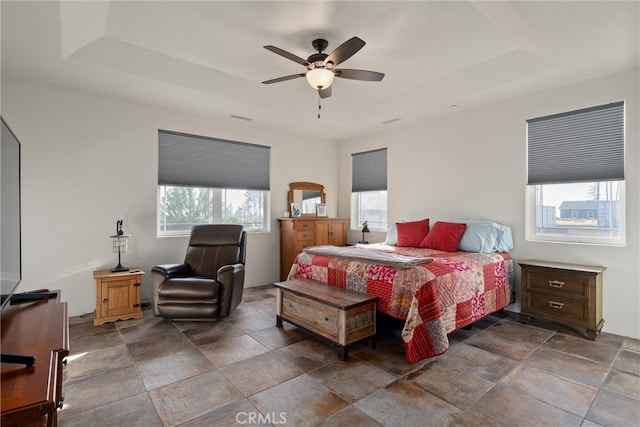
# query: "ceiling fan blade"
[282,79]
[371,76]
[288,55]
[325,93]
[345,51]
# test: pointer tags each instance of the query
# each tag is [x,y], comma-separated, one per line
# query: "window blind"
[577,146]
[308,195]
[198,161]
[369,171]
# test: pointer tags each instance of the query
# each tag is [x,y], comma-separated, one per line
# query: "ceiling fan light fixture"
[320,78]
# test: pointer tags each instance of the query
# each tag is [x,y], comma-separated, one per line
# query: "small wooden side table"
[118,295]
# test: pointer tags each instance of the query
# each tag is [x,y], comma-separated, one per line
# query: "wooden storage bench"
[338,315]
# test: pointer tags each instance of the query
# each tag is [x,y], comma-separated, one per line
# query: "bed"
[434,292]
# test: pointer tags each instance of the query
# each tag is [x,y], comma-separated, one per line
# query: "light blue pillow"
[503,242]
[481,237]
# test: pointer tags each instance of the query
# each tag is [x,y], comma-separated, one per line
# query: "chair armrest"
[172,270]
[228,273]
[231,279]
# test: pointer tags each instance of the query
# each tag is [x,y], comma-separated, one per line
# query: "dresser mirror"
[307,195]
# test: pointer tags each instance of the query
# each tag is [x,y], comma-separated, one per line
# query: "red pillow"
[444,236]
[410,234]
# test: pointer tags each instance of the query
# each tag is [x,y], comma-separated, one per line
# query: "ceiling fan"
[321,67]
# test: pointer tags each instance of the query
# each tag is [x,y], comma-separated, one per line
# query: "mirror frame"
[309,186]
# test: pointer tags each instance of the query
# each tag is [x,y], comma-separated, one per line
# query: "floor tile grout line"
[596,389]
[153,404]
[501,382]
[214,368]
[93,408]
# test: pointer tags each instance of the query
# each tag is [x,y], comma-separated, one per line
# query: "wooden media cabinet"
[31,395]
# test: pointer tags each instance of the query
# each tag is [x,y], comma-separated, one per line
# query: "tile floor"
[245,371]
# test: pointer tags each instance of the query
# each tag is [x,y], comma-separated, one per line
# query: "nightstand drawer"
[558,281]
[556,306]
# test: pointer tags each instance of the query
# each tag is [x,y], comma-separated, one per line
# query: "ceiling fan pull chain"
[319,105]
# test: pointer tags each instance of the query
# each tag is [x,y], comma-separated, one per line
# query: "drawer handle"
[326,319]
[106,300]
[556,283]
[556,305]
[305,235]
[305,225]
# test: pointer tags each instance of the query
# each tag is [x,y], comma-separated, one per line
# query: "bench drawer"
[313,315]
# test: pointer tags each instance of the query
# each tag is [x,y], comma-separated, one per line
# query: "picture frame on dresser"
[295,210]
[321,209]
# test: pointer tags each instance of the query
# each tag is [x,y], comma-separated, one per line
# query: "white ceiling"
[208,57]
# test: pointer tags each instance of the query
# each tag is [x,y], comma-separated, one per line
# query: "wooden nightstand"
[565,293]
[118,295]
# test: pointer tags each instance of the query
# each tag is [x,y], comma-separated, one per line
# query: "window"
[183,207]
[208,181]
[370,206]
[575,173]
[309,201]
[369,189]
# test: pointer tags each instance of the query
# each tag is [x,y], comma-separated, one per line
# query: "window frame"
[532,236]
[356,221]
[216,209]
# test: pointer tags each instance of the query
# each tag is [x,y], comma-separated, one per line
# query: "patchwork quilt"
[434,298]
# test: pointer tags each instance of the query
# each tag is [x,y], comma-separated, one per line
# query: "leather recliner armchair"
[210,281]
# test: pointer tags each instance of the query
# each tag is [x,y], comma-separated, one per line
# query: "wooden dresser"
[32,395]
[565,293]
[299,233]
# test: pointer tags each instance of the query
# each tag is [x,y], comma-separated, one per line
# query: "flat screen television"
[10,249]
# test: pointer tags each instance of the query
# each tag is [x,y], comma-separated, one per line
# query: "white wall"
[471,164]
[89,160]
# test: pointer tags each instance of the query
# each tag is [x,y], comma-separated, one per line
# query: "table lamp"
[365,229]
[120,245]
